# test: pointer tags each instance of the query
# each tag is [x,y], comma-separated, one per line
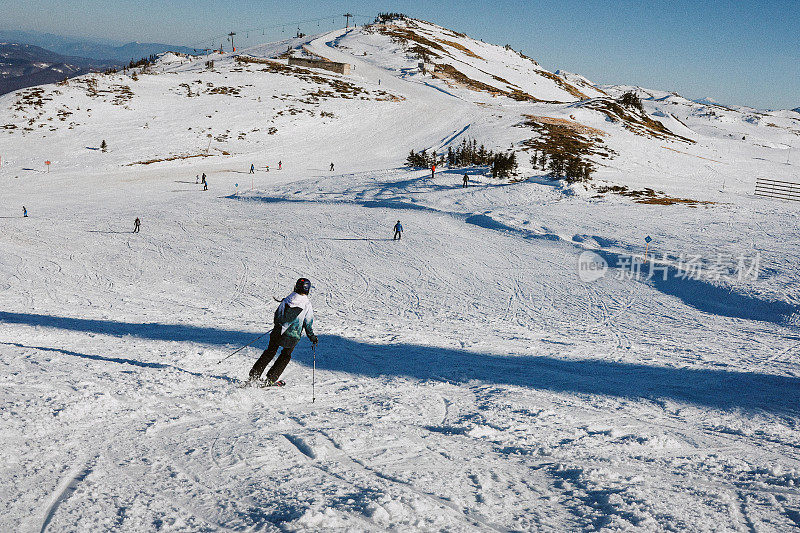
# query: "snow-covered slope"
[468,377]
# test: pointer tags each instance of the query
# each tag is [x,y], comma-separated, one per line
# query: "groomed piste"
[469,376]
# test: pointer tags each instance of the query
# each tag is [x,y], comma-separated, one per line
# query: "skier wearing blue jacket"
[398,231]
[293,316]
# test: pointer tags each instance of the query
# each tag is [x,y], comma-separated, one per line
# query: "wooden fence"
[782,190]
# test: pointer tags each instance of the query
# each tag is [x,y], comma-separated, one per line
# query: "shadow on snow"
[713,388]
[700,294]
[119,360]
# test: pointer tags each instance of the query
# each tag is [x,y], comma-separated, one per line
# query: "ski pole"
[245,346]
[313,371]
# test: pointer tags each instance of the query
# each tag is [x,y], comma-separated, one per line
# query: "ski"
[268,384]
[261,384]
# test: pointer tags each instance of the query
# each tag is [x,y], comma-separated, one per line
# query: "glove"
[313,339]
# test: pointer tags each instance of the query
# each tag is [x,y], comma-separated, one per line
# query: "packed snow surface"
[467,377]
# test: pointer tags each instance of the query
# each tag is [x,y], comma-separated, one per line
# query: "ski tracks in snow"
[340,459]
[65,490]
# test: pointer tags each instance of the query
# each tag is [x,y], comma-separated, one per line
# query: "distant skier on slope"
[252,168]
[466,180]
[398,231]
[279,164]
[136,225]
[433,171]
[293,316]
[24,211]
[331,167]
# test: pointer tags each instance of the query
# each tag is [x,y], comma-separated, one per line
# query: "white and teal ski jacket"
[294,315]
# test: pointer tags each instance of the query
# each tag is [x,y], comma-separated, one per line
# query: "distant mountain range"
[94,49]
[25,65]
[29,58]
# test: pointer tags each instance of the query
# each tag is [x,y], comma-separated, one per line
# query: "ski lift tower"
[347,17]
[230,38]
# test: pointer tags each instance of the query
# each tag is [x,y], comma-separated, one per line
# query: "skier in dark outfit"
[466,180]
[136,224]
[293,315]
[398,231]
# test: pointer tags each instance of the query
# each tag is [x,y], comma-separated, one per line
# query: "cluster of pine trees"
[504,165]
[467,154]
[565,157]
[423,159]
[631,99]
[143,62]
[383,18]
[571,167]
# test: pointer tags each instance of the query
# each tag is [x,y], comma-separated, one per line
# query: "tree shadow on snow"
[713,388]
[132,362]
[355,239]
[702,294]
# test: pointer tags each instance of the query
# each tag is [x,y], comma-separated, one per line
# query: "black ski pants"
[276,341]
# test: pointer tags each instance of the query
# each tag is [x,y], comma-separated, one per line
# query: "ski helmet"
[303,286]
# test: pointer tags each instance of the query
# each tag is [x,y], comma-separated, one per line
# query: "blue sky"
[744,52]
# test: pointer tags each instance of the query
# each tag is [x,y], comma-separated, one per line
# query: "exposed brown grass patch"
[561,82]
[404,36]
[338,88]
[651,197]
[460,47]
[577,126]
[633,120]
[31,97]
[171,158]
[667,200]
[234,91]
[567,138]
[451,73]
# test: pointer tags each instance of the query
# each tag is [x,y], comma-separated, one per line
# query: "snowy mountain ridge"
[618,353]
[25,65]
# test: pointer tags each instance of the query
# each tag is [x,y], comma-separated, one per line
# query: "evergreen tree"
[631,99]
